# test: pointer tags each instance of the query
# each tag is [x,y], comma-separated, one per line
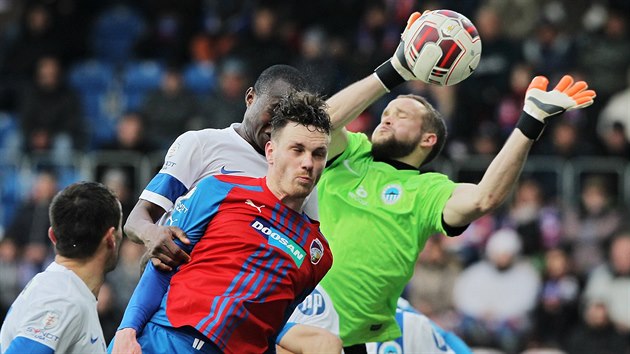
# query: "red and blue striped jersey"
[253,260]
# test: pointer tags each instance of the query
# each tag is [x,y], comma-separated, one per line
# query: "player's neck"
[295,203]
[89,271]
[241,131]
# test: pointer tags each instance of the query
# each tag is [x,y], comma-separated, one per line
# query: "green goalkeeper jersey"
[377,218]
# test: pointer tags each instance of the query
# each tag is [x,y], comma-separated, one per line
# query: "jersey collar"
[398,165]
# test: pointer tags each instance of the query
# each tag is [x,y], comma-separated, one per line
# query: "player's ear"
[269,152]
[51,236]
[249,96]
[428,139]
[110,238]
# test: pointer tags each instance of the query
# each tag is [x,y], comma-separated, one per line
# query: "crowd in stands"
[117,81]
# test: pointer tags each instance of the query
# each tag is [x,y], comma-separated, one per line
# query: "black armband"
[530,126]
[388,76]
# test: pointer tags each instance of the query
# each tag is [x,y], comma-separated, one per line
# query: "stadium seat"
[115,32]
[95,83]
[11,191]
[138,79]
[200,78]
[91,76]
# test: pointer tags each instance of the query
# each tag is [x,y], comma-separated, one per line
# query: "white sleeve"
[55,323]
[183,165]
[420,337]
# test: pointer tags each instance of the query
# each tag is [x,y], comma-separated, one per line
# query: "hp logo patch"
[313,305]
[389,348]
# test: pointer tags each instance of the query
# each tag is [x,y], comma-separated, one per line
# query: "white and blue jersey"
[55,313]
[419,335]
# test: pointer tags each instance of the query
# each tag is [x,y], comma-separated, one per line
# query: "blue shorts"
[156,339]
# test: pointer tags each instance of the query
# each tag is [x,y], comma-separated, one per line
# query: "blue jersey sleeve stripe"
[167,186]
[23,345]
[284,331]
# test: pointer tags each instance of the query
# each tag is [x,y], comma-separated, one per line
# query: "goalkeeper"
[377,210]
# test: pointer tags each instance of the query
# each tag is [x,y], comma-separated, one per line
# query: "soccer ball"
[442,47]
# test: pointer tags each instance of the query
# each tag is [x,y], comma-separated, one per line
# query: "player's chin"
[304,188]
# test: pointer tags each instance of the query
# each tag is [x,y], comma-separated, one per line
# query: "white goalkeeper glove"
[395,71]
[541,104]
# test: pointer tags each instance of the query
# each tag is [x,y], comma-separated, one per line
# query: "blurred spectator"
[35,40]
[537,224]
[564,141]
[119,181]
[487,141]
[590,225]
[376,38]
[168,109]
[115,32]
[615,142]
[479,95]
[430,289]
[30,226]
[131,135]
[9,275]
[557,309]
[261,44]
[107,314]
[50,112]
[596,334]
[31,222]
[511,103]
[518,18]
[550,51]
[615,114]
[316,62]
[226,106]
[602,55]
[496,296]
[172,24]
[125,277]
[609,283]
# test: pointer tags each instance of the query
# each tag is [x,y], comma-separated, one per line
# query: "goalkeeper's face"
[399,133]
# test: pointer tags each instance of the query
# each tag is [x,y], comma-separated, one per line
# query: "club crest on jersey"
[51,320]
[172,150]
[317,251]
[391,194]
[279,240]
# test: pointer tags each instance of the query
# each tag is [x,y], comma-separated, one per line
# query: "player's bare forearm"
[347,104]
[141,220]
[306,339]
[504,170]
[469,201]
[141,227]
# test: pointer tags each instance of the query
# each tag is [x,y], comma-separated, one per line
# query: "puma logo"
[250,203]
